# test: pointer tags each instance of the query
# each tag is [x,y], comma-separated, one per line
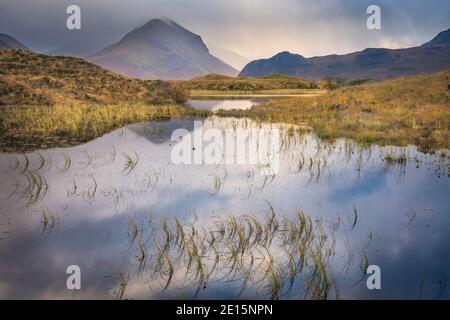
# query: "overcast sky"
[253,28]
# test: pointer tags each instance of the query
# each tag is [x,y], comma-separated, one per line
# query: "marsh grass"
[392,158]
[67,162]
[48,221]
[121,279]
[130,162]
[92,191]
[413,110]
[276,256]
[30,186]
[25,128]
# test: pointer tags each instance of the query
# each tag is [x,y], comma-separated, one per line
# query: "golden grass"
[413,110]
[276,82]
[32,127]
[71,101]
[48,101]
[28,78]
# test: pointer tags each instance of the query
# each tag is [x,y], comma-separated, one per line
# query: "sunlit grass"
[413,110]
[32,127]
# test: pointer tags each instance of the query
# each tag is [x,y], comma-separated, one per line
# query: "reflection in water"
[142,227]
[221,104]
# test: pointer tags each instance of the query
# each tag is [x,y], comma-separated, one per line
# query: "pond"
[236,101]
[223,104]
[140,226]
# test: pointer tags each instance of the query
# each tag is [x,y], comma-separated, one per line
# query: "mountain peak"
[288,55]
[281,63]
[159,22]
[161,49]
[283,53]
[166,32]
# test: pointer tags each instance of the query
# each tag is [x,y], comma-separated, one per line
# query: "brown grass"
[28,78]
[225,84]
[33,127]
[50,101]
[412,110]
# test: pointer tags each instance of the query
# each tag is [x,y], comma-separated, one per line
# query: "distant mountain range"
[370,63]
[8,42]
[161,49]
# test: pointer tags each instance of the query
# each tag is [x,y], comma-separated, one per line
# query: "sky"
[252,28]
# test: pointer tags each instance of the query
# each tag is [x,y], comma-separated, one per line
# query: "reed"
[25,128]
[370,113]
[275,254]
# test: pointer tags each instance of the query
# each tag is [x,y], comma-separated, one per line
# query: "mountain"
[8,42]
[372,63]
[442,39]
[160,49]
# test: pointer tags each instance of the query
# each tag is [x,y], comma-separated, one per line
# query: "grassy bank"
[219,83]
[33,127]
[57,101]
[412,110]
[48,101]
[209,93]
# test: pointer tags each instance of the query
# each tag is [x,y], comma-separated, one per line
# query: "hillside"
[160,49]
[50,101]
[34,79]
[8,42]
[370,63]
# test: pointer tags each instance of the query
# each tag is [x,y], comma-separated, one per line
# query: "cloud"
[253,28]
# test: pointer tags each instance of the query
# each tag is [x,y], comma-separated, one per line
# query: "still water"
[141,227]
[223,104]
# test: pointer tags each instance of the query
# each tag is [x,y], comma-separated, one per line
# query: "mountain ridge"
[377,63]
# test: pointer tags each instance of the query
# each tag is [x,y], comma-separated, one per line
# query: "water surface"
[96,205]
[223,104]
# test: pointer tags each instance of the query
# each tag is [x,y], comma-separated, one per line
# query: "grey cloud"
[253,28]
